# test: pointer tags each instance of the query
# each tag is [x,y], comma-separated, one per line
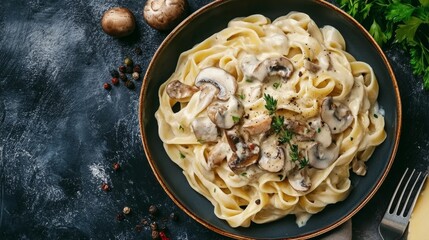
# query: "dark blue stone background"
[60,131]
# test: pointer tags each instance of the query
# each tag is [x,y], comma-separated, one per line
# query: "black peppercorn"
[120,217]
[137,68]
[129,84]
[114,73]
[138,51]
[122,69]
[153,210]
[138,228]
[123,77]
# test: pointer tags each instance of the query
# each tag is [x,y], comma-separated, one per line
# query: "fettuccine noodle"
[255,164]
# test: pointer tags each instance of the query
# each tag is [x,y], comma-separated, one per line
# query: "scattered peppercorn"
[126,210]
[155,235]
[107,86]
[153,210]
[137,68]
[129,84]
[138,227]
[120,217]
[163,236]
[116,166]
[128,61]
[138,51]
[136,75]
[114,73]
[129,69]
[122,69]
[153,226]
[144,221]
[105,187]
[258,201]
[174,217]
[115,81]
[123,77]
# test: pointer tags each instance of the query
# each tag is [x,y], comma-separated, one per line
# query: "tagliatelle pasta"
[267,119]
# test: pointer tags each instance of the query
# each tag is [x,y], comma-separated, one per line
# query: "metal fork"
[398,213]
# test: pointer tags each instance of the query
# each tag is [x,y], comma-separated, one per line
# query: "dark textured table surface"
[60,131]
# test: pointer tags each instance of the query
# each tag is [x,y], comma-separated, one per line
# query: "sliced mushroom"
[272,156]
[218,154]
[336,115]
[204,129]
[225,114]
[180,91]
[320,157]
[323,133]
[299,179]
[301,129]
[273,66]
[258,125]
[244,154]
[219,78]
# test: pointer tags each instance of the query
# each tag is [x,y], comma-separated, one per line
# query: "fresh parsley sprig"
[270,104]
[403,22]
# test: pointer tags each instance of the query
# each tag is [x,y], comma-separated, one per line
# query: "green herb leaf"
[181,128]
[407,31]
[235,119]
[285,136]
[398,12]
[377,33]
[270,104]
[294,154]
[277,85]
[182,156]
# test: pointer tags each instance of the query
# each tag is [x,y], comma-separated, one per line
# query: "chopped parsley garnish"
[241,96]
[249,80]
[181,128]
[277,85]
[375,115]
[235,119]
[244,174]
[294,155]
[270,104]
[182,156]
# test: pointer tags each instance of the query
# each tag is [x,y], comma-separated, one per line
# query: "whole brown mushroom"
[164,14]
[118,22]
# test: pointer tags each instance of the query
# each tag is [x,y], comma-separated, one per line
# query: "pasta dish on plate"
[268,118]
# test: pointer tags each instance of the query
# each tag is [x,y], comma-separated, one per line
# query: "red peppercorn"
[137,68]
[105,187]
[122,69]
[115,81]
[116,166]
[120,217]
[163,236]
[107,86]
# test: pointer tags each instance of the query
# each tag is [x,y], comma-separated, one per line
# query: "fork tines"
[411,184]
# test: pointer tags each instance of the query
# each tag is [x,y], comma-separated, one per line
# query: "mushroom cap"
[272,158]
[118,22]
[273,66]
[164,14]
[244,154]
[180,91]
[299,180]
[258,125]
[204,129]
[320,157]
[225,114]
[336,115]
[219,78]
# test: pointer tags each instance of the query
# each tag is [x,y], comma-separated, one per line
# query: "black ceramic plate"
[211,19]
